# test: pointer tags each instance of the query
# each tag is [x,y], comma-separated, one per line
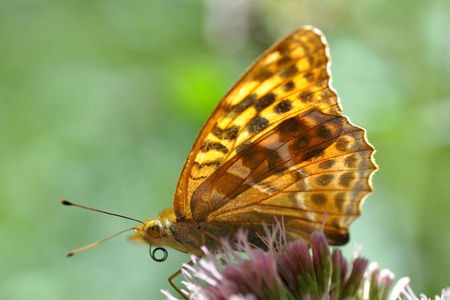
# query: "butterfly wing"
[290,78]
[308,165]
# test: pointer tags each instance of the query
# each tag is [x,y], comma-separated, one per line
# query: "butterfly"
[277,145]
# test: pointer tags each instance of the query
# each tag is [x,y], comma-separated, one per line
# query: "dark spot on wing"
[242,146]
[263,75]
[293,125]
[215,163]
[340,198]
[289,72]
[306,96]
[346,179]
[318,199]
[327,164]
[245,103]
[323,132]
[350,161]
[226,134]
[342,144]
[324,179]
[265,101]
[309,76]
[288,86]
[284,60]
[208,146]
[300,143]
[257,124]
[283,107]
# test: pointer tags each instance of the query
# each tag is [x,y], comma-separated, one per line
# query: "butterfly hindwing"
[308,165]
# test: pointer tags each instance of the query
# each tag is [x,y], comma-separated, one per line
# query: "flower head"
[288,270]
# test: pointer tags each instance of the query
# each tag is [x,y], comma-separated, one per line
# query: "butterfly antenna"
[73,252]
[64,202]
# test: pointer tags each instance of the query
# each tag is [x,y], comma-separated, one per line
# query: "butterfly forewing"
[289,79]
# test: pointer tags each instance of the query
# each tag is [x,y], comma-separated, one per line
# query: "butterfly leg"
[234,237]
[174,286]
[249,224]
[206,233]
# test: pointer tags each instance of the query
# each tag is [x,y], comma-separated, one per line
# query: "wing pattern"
[278,145]
[308,165]
[289,78]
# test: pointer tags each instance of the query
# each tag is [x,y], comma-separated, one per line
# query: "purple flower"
[288,270]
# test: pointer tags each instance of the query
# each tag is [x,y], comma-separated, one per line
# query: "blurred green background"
[100,102]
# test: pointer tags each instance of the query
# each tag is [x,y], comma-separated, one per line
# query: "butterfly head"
[151,232]
[158,232]
[153,228]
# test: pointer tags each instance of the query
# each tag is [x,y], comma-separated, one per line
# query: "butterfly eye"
[153,229]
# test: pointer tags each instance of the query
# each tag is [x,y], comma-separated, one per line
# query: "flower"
[403,288]
[288,270]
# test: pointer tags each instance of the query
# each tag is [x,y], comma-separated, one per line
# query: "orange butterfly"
[276,145]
